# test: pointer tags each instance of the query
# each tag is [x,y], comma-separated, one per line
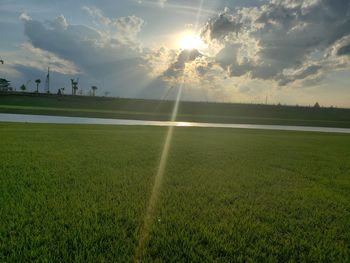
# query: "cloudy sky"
[290,51]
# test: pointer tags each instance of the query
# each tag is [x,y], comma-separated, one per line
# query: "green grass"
[79,193]
[161,110]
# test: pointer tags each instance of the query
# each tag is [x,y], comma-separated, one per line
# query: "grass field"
[161,110]
[79,193]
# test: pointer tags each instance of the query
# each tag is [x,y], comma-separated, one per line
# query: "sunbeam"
[152,203]
[200,10]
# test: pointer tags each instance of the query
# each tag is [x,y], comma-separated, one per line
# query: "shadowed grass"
[79,193]
[41,104]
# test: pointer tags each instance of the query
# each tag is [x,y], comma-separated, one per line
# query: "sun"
[189,41]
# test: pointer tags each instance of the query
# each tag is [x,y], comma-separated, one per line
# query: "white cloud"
[24,17]
[113,60]
[41,59]
[97,14]
[281,36]
[160,2]
[123,29]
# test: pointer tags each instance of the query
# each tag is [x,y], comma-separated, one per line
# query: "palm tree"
[23,88]
[60,91]
[38,81]
[94,88]
[74,86]
[5,85]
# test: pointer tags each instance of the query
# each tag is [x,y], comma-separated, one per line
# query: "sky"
[245,51]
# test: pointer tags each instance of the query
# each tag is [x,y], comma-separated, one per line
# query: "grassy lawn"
[161,110]
[79,193]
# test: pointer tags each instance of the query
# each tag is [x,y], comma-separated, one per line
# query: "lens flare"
[189,41]
[152,203]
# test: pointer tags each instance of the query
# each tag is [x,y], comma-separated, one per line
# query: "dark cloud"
[219,27]
[300,74]
[80,44]
[345,50]
[281,36]
[110,58]
[176,69]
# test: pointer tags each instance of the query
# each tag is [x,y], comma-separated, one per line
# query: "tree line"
[5,86]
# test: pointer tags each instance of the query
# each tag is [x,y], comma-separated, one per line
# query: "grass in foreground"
[79,193]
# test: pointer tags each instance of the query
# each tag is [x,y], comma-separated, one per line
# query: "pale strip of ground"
[24,118]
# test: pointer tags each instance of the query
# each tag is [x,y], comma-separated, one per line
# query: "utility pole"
[47,81]
[72,82]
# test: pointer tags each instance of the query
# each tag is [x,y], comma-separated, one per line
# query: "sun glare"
[191,41]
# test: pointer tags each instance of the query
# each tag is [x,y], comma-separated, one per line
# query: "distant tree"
[23,88]
[1,62]
[74,86]
[94,88]
[5,85]
[38,81]
[60,91]
[317,105]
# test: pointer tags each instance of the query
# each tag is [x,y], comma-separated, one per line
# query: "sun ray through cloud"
[152,203]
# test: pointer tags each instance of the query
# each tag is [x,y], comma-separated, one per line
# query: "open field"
[79,193]
[161,110]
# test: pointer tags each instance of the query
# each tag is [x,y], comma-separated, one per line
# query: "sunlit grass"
[80,193]
[158,181]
